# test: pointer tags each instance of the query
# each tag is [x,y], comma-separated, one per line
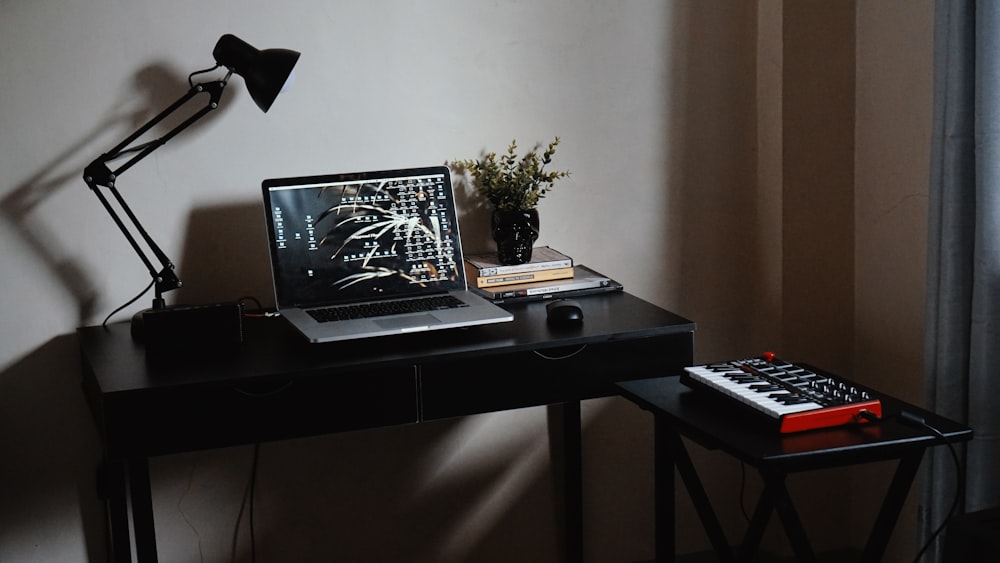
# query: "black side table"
[708,421]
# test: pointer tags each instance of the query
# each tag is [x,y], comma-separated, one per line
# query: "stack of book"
[549,274]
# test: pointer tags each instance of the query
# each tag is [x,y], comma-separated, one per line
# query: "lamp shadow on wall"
[225,256]
[49,484]
[155,88]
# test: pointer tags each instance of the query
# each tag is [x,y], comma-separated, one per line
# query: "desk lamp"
[265,72]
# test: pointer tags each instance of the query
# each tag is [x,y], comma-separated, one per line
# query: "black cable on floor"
[246,506]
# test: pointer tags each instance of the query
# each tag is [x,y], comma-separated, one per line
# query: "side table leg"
[892,505]
[667,438]
[755,531]
[774,486]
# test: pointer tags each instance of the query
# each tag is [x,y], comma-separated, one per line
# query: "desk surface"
[273,347]
[714,424]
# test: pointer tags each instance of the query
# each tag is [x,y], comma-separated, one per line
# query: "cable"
[253,487]
[253,299]
[260,311]
[248,499]
[563,357]
[743,491]
[918,422]
[133,300]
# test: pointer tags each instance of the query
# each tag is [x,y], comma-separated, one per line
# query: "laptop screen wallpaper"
[359,239]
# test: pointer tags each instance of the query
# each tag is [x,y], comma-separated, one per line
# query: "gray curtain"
[963,285]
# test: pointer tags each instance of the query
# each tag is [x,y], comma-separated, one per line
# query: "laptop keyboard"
[368,310]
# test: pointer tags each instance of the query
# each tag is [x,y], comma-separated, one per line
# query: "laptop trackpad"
[408,321]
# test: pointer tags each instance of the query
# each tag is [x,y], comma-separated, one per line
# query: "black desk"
[276,386]
[680,411]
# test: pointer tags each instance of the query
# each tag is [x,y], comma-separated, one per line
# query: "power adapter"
[206,327]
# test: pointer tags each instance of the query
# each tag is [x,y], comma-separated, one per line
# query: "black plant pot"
[515,233]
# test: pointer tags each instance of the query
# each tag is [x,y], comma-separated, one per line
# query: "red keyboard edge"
[829,417]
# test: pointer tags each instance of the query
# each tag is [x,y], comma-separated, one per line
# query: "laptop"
[370,254]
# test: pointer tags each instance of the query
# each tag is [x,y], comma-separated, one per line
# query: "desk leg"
[115,485]
[665,512]
[892,505]
[573,479]
[142,510]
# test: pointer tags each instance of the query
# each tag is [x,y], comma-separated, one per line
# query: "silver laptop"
[370,254]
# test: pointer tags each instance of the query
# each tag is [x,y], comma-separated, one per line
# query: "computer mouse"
[564,312]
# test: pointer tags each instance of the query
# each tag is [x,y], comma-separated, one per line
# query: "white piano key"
[742,391]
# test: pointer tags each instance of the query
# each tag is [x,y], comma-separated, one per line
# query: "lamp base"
[186,327]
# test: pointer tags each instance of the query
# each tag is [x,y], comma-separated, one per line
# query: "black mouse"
[564,312]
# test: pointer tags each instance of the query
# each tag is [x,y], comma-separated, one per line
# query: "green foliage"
[514,184]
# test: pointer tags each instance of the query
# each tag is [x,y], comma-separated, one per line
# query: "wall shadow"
[435,491]
[156,86]
[442,491]
[464,489]
[225,256]
[482,488]
[48,481]
[713,143]
[473,213]
[726,252]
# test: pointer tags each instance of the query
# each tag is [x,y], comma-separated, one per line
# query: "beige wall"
[892,171]
[698,132]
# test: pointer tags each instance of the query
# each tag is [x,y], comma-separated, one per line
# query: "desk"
[680,411]
[277,386]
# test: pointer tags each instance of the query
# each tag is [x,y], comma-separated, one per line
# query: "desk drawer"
[541,377]
[183,418]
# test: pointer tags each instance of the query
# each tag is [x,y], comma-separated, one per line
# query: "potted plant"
[513,186]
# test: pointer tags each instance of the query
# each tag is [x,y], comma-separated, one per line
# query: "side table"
[679,411]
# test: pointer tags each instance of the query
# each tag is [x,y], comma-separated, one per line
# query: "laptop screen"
[363,236]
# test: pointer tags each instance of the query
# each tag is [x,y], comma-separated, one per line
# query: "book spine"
[558,295]
[485,271]
[523,277]
[549,290]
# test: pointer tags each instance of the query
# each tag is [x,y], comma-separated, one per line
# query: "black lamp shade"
[265,72]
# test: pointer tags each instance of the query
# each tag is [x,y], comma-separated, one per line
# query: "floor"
[840,556]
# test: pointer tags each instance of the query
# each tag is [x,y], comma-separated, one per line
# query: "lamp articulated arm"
[98,175]
[266,73]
